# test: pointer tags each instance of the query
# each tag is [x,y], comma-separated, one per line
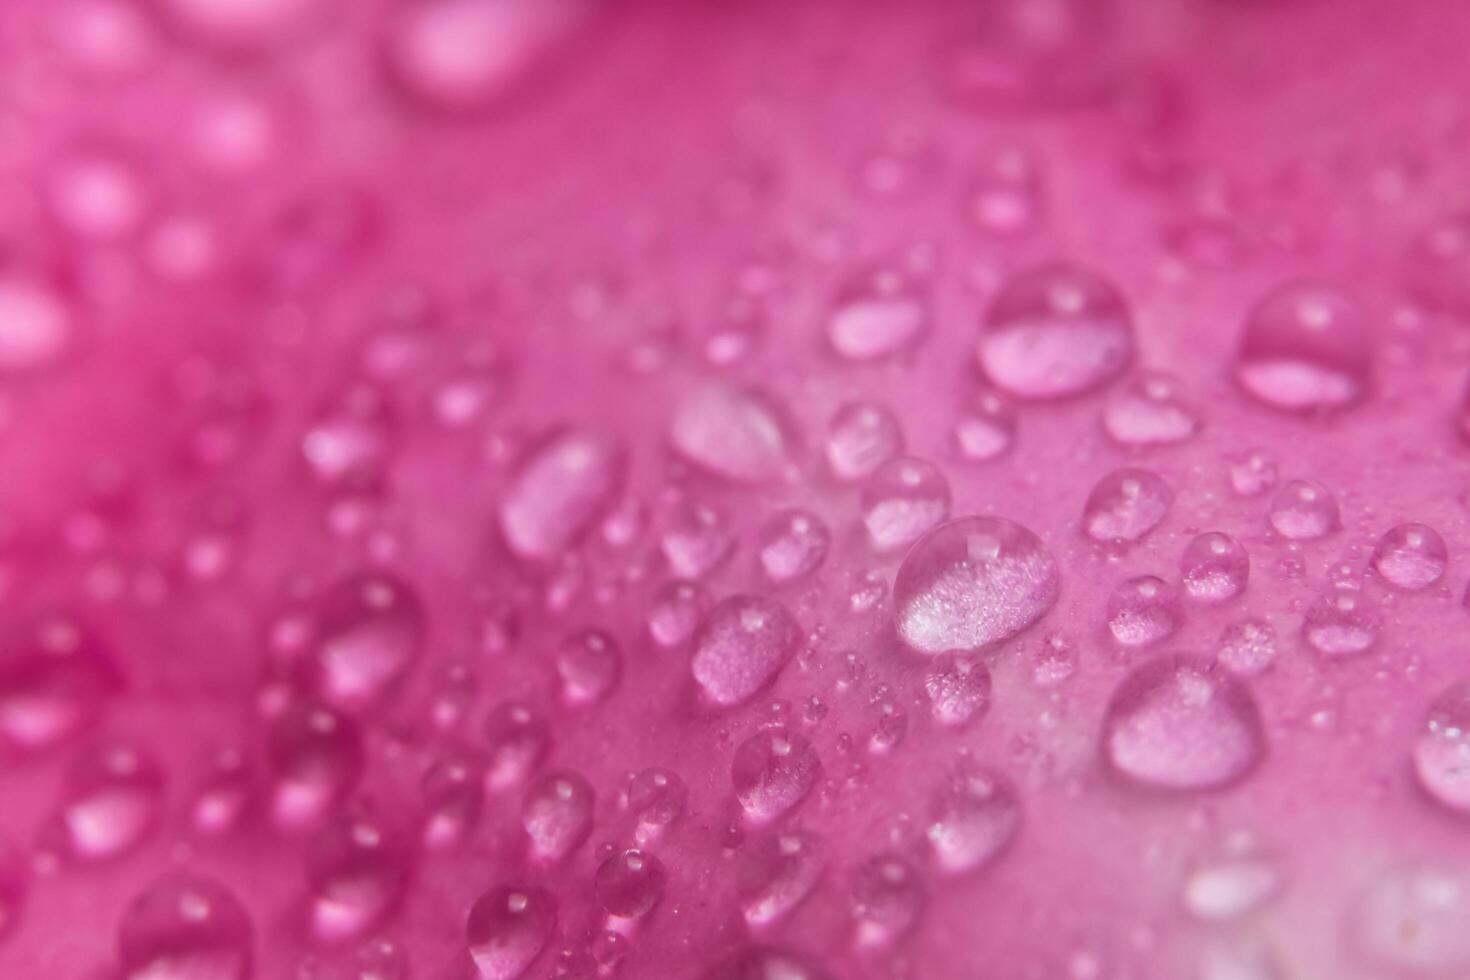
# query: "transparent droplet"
[355,870]
[507,930]
[879,314]
[901,501]
[1306,347]
[185,927]
[227,791]
[1247,647]
[1149,410]
[1440,267]
[55,678]
[1143,610]
[1176,724]
[972,819]
[772,772]
[557,814]
[1030,55]
[1056,331]
[861,437]
[589,665]
[971,583]
[731,432]
[656,797]
[453,796]
[776,874]
[958,686]
[559,490]
[675,611]
[629,884]
[1411,921]
[741,647]
[697,540]
[986,429]
[792,544]
[316,758]
[1005,196]
[887,900]
[1304,511]
[350,444]
[37,324]
[1341,624]
[1126,505]
[370,631]
[1442,749]
[1411,557]
[1228,889]
[110,802]
[516,741]
[105,39]
[1215,567]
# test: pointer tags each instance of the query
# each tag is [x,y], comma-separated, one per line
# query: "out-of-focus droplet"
[236,133]
[735,433]
[696,540]
[1143,610]
[589,665]
[1004,197]
[105,39]
[971,583]
[1125,505]
[453,796]
[1215,567]
[316,239]
[37,324]
[1149,410]
[1056,331]
[656,797]
[317,758]
[986,429]
[1252,474]
[185,927]
[776,873]
[508,927]
[1440,267]
[243,25]
[887,900]
[741,647]
[55,677]
[110,802]
[356,870]
[901,501]
[958,686]
[350,444]
[772,772]
[557,814]
[1029,55]
[972,819]
[791,545]
[762,963]
[675,611]
[1411,557]
[1176,724]
[1411,922]
[1230,888]
[560,489]
[1341,624]
[1306,347]
[1304,510]
[629,884]
[861,437]
[226,793]
[1442,749]
[1247,647]
[97,195]
[880,314]
[370,631]
[516,741]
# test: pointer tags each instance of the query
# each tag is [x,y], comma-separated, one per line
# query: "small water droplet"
[792,544]
[1247,647]
[731,432]
[776,874]
[629,884]
[356,869]
[110,802]
[741,647]
[317,757]
[557,814]
[959,689]
[986,429]
[1411,921]
[1230,888]
[507,930]
[564,483]
[1411,557]
[772,772]
[879,314]
[370,631]
[1341,624]
[37,324]
[1442,749]
[1150,410]
[1126,505]
[675,611]
[589,665]
[516,741]
[901,501]
[1303,510]
[656,797]
[1215,567]
[1143,610]
[972,819]
[887,900]
[1305,347]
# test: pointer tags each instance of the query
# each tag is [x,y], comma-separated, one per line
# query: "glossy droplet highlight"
[561,487]
[901,501]
[972,819]
[629,884]
[731,432]
[958,687]
[878,315]
[55,678]
[861,437]
[317,757]
[516,741]
[772,772]
[37,324]
[185,927]
[1247,647]
[1341,624]
[508,927]
[1126,505]
[887,900]
[355,870]
[1411,557]
[1442,750]
[557,814]
[1143,610]
[1303,510]
[1150,410]
[110,803]
[741,647]
[588,665]
[776,874]
[370,634]
[1215,567]
[1305,347]
[1411,921]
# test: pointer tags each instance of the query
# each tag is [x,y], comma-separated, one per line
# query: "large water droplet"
[972,819]
[185,927]
[561,487]
[777,872]
[971,583]
[861,437]
[902,501]
[1056,331]
[731,432]
[740,648]
[508,927]
[1442,750]
[557,814]
[772,772]
[54,679]
[1215,567]
[1306,347]
[1125,505]
[1176,724]
[1411,557]
[355,870]
[629,884]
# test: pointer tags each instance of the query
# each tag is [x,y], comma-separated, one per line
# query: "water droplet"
[657,798]
[453,796]
[861,437]
[105,39]
[1305,347]
[1304,511]
[971,583]
[1442,750]
[1005,196]
[740,648]
[959,689]
[972,819]
[1143,610]
[110,802]
[734,433]
[675,612]
[55,677]
[508,927]
[1247,647]
[776,874]
[1030,55]
[792,545]
[1149,410]
[1215,567]
[986,429]
[629,884]
[589,664]
[350,444]
[560,489]
[901,501]
[37,324]
[1341,624]
[879,314]
[185,927]
[557,814]
[1126,505]
[1054,661]
[887,900]
[1174,724]
[356,870]
[1054,332]
[1252,475]
[516,740]
[1230,888]
[697,540]
[773,771]
[317,758]
[1411,557]
[97,195]
[370,634]
[1411,921]
[1437,275]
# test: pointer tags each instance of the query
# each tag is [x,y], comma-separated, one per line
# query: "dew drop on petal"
[972,819]
[242,25]
[356,870]
[675,611]
[861,437]
[453,796]
[776,873]
[185,927]
[1125,505]
[561,487]
[1411,921]
[887,901]
[958,686]
[986,429]
[557,814]
[1215,567]
[370,633]
[1442,749]
[1306,347]
[1149,410]
[1143,610]
[901,501]
[55,678]
[589,664]
[1341,624]
[516,741]
[1247,647]
[772,772]
[1227,889]
[1303,510]
[697,540]
[1175,724]
[111,801]
[740,648]
[734,433]
[507,930]
[37,324]
[1005,195]
[317,758]
[763,963]
[629,884]
[877,315]
[971,583]
[656,797]
[791,545]
[1411,557]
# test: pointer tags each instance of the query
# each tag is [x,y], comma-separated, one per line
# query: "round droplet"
[185,927]
[776,873]
[1143,610]
[1306,347]
[1304,511]
[1176,724]
[1125,505]
[901,501]
[317,759]
[971,583]
[516,740]
[1411,557]
[559,490]
[1341,624]
[733,433]
[878,315]
[1252,475]
[792,545]
[1411,922]
[1247,647]
[959,689]
[861,437]
[887,900]
[697,540]
[972,819]
[1440,264]
[1215,567]
[1054,332]
[589,664]
[773,771]
[676,610]
[110,802]
[97,195]
[1149,410]
[350,444]
[355,871]
[37,324]
[55,677]
[656,797]
[1442,750]
[741,647]
[370,634]
[1005,196]
[557,814]
[453,796]
[629,884]
[508,928]
[986,429]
